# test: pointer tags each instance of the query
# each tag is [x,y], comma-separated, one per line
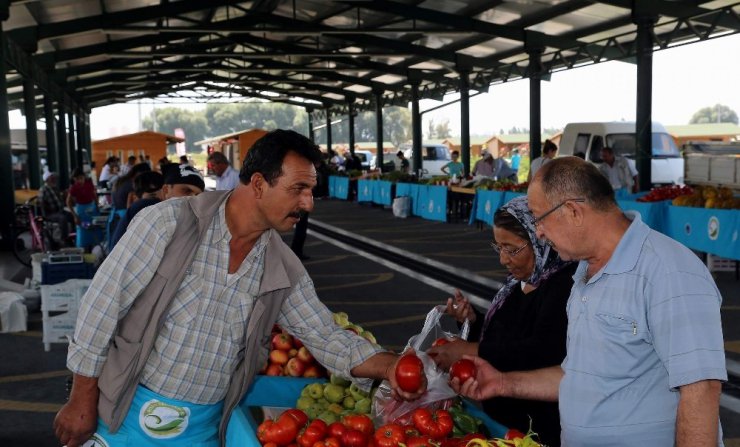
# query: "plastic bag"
[386,409]
[402,206]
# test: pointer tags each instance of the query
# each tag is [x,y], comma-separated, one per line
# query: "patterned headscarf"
[546,260]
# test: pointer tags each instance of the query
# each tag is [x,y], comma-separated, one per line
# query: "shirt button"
[584,299]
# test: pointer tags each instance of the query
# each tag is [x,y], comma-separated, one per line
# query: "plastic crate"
[282,392]
[56,273]
[60,297]
[58,327]
[717,264]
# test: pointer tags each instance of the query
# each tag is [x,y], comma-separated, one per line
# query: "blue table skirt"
[709,230]
[338,187]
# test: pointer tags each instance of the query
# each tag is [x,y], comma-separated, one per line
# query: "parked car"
[667,165]
[367,158]
[433,157]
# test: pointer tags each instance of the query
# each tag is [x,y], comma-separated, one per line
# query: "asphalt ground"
[375,295]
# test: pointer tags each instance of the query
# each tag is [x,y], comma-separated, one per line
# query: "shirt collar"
[222,232]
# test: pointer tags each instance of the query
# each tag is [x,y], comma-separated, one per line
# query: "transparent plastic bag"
[386,409]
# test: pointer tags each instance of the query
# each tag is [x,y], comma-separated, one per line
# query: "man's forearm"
[84,388]
[376,367]
[540,384]
[697,420]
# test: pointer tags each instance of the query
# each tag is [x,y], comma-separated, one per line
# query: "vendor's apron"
[155,420]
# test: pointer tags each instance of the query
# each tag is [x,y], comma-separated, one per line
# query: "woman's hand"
[460,308]
[445,355]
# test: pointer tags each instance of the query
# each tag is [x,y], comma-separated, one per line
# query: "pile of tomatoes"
[427,429]
[669,192]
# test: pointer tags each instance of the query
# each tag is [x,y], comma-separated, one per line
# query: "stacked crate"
[59,304]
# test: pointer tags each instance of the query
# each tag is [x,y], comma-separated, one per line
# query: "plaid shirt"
[51,200]
[201,341]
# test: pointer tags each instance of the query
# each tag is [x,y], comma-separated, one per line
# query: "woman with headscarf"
[525,325]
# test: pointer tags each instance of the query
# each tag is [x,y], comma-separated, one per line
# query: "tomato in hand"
[389,435]
[462,370]
[409,373]
[440,341]
[437,425]
[513,433]
[359,422]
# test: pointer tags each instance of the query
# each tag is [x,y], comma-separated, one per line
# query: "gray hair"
[571,177]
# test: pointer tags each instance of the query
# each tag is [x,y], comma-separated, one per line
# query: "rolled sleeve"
[307,318]
[119,280]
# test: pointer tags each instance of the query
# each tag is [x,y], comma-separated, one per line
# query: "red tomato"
[409,373]
[354,438]
[513,433]
[281,433]
[336,430]
[359,422]
[311,434]
[411,432]
[440,341]
[463,370]
[436,425]
[328,442]
[300,417]
[421,441]
[389,435]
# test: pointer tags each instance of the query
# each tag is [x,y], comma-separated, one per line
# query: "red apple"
[292,353]
[295,367]
[282,341]
[278,356]
[304,355]
[312,371]
[274,370]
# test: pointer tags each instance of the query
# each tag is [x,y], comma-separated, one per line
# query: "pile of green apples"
[331,400]
[342,320]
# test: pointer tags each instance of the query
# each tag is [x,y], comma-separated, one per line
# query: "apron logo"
[162,421]
[95,441]
[713,228]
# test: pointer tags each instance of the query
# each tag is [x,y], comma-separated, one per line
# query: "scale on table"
[72,256]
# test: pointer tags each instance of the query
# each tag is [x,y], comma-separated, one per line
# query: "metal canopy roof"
[321,53]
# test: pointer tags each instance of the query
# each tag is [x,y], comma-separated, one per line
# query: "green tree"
[193,123]
[442,130]
[715,114]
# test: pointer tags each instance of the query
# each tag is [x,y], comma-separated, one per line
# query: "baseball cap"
[48,174]
[176,174]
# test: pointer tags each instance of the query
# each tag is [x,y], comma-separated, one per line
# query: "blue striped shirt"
[644,325]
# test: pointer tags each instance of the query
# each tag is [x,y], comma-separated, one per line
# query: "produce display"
[288,357]
[501,185]
[708,197]
[334,399]
[668,192]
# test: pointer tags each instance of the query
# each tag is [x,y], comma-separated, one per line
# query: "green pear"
[333,393]
[328,417]
[304,403]
[341,318]
[356,392]
[315,390]
[363,406]
[349,402]
[335,408]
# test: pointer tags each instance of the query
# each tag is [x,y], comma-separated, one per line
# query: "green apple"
[353,327]
[328,417]
[335,408]
[363,406]
[304,403]
[369,336]
[315,390]
[339,380]
[349,403]
[333,393]
[341,318]
[357,393]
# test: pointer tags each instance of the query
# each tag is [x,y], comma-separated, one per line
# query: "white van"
[433,157]
[667,165]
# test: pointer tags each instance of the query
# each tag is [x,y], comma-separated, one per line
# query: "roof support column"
[80,126]
[535,49]
[52,155]
[71,149]
[351,112]
[88,137]
[64,162]
[7,188]
[328,129]
[415,129]
[643,115]
[465,120]
[379,129]
[32,136]
[310,126]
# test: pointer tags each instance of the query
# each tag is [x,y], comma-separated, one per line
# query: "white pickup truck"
[667,165]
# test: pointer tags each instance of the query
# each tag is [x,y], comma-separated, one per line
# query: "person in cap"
[484,166]
[51,201]
[152,187]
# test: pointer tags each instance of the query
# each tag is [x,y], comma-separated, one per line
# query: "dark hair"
[218,157]
[608,149]
[549,146]
[78,172]
[147,182]
[505,220]
[132,173]
[267,154]
[571,177]
[455,153]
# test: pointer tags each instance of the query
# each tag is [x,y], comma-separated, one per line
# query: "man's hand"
[447,354]
[77,420]
[487,383]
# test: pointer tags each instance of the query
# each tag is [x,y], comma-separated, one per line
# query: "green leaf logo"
[163,421]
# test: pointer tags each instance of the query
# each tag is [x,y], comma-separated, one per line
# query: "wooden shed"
[476,144]
[234,145]
[153,144]
[722,132]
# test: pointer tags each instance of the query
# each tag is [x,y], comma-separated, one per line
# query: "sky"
[685,79]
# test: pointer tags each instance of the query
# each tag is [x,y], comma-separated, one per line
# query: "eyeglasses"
[498,249]
[538,220]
